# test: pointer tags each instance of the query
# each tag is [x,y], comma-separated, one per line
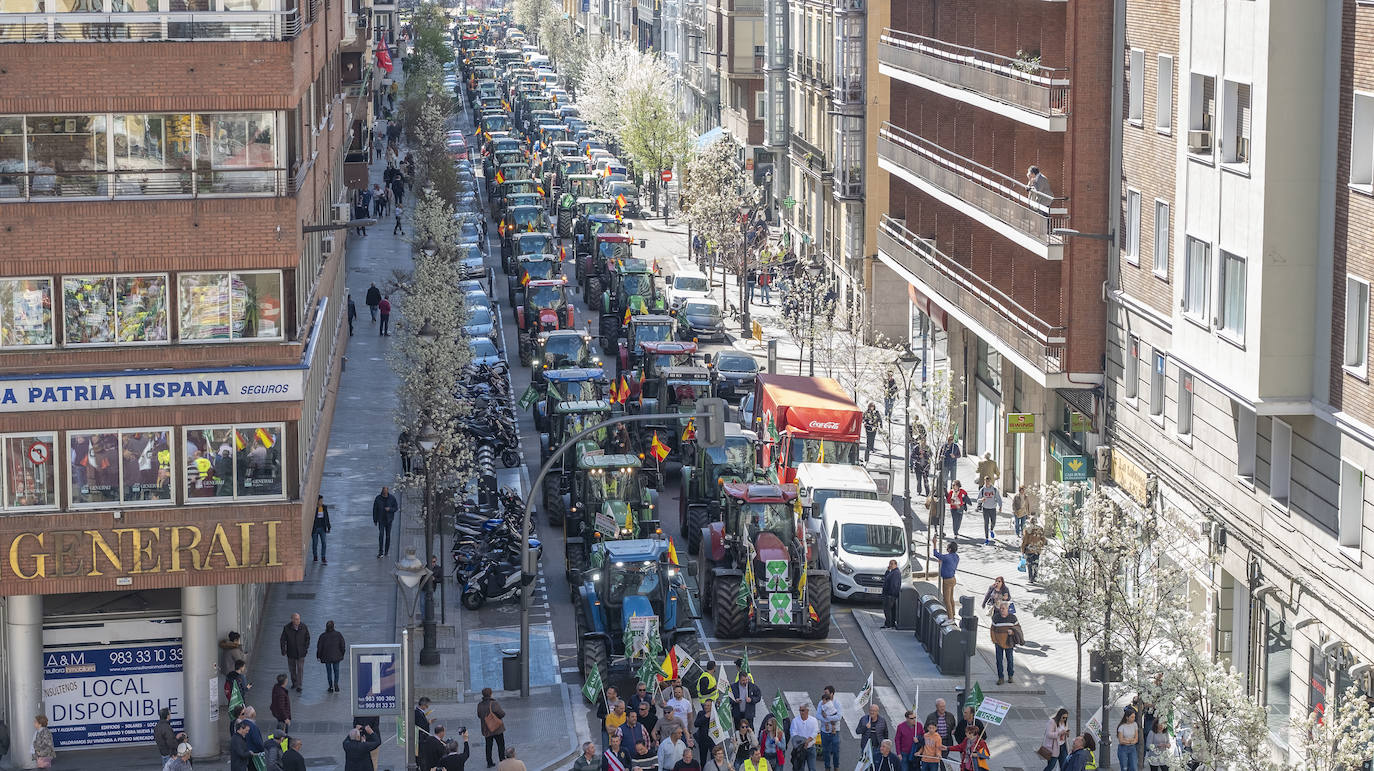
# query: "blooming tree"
[1340,740]
[717,193]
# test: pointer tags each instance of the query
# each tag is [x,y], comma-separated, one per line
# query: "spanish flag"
[689,434]
[627,315]
[668,670]
[620,201]
[238,441]
[540,188]
[264,437]
[659,449]
[672,552]
[624,390]
[615,393]
[500,177]
[525,278]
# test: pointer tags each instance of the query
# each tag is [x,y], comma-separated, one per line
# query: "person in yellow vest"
[755,762]
[706,684]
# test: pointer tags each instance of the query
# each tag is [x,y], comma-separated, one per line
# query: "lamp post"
[813,271]
[411,575]
[906,367]
[429,650]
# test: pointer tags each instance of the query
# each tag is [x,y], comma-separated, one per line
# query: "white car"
[687,284]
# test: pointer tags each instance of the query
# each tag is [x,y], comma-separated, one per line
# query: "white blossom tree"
[1341,740]
[530,15]
[600,87]
[717,193]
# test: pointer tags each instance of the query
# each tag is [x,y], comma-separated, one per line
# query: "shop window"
[230,306]
[63,150]
[30,471]
[114,310]
[124,467]
[233,462]
[25,312]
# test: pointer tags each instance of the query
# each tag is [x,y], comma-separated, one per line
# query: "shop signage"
[98,697]
[1020,423]
[1079,423]
[152,389]
[375,671]
[1129,477]
[1075,468]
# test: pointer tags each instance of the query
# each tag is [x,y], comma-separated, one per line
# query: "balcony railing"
[48,185]
[149,27]
[810,154]
[1025,84]
[1005,199]
[849,183]
[1039,341]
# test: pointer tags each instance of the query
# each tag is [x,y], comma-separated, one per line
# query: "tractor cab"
[560,349]
[520,219]
[651,328]
[658,356]
[581,185]
[675,398]
[609,249]
[568,419]
[545,309]
[530,268]
[608,501]
[495,121]
[513,200]
[631,604]
[700,501]
[632,292]
[571,384]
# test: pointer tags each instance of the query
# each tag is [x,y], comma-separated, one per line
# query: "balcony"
[808,155]
[1035,344]
[990,197]
[174,27]
[849,184]
[1018,89]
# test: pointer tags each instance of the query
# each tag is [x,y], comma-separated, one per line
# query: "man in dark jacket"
[240,754]
[330,650]
[165,736]
[373,298]
[892,591]
[422,713]
[872,728]
[292,759]
[281,702]
[295,645]
[358,749]
[384,508]
[352,314]
[744,697]
[872,422]
[453,759]
[431,748]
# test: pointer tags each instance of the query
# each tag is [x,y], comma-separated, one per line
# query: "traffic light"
[712,433]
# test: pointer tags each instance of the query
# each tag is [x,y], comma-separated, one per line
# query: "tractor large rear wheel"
[593,296]
[553,502]
[596,656]
[818,597]
[696,522]
[577,562]
[731,619]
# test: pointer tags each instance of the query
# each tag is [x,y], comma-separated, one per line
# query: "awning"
[923,303]
[709,138]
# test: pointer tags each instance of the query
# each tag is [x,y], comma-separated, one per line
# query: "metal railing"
[810,154]
[1026,84]
[149,27]
[1039,341]
[47,185]
[1006,199]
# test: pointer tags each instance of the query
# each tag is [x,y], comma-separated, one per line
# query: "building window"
[1133,225]
[30,471]
[1246,439]
[1135,86]
[1280,460]
[1185,404]
[1278,665]
[1361,143]
[1202,109]
[1351,520]
[125,467]
[114,310]
[1161,266]
[1356,324]
[1236,143]
[1157,387]
[1197,274]
[230,306]
[1231,295]
[1164,95]
[26,312]
[1131,367]
[227,462]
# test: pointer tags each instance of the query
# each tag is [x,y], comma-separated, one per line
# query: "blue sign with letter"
[110,696]
[376,674]
[1075,468]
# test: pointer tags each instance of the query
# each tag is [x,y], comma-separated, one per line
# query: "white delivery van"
[859,537]
[819,482]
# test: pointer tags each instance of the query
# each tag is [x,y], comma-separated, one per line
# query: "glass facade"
[230,306]
[30,471]
[113,310]
[232,462]
[25,312]
[124,467]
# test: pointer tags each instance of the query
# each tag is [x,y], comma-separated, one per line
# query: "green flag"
[528,398]
[975,697]
[629,640]
[744,595]
[779,708]
[744,663]
[236,697]
[723,713]
[648,671]
[591,689]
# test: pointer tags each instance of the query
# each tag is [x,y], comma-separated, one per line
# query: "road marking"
[763,640]
[568,645]
[569,670]
[801,663]
[888,701]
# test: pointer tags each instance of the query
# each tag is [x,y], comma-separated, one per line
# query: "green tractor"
[631,292]
[608,501]
[758,569]
[700,502]
[632,587]
[570,384]
[610,250]
[566,419]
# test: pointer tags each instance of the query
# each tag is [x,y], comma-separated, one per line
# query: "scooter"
[495,582]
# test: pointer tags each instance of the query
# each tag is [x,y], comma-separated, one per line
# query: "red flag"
[384,58]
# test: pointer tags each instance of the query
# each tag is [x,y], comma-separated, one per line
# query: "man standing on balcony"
[1038,186]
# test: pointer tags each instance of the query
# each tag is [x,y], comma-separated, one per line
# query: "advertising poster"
[107,696]
[376,675]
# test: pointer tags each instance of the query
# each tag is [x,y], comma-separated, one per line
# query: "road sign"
[1075,468]
[992,710]
[1020,423]
[39,453]
[666,175]
[375,671]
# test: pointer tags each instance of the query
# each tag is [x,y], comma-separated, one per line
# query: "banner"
[104,696]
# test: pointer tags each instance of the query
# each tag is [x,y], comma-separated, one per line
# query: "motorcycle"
[492,582]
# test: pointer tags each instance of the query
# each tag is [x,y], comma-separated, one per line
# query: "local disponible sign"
[98,697]
[151,389]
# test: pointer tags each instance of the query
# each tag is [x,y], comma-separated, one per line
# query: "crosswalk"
[850,709]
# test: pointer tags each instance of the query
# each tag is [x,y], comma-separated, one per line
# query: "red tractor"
[545,309]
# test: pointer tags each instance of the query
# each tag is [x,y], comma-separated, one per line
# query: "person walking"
[181,761]
[889,395]
[372,299]
[745,696]
[295,645]
[1127,739]
[1033,542]
[945,723]
[1005,635]
[949,565]
[281,702]
[358,747]
[406,447]
[587,761]
[958,501]
[165,736]
[330,649]
[352,315]
[990,503]
[766,286]
[892,592]
[987,468]
[318,530]
[398,189]
[973,750]
[920,464]
[907,738]
[384,307]
[422,713]
[949,458]
[1054,748]
[492,717]
[828,712]
[384,508]
[1020,509]
[997,592]
[872,420]
[241,754]
[805,728]
[887,759]
[932,749]
[230,654]
[872,729]
[378,200]
[1158,744]
[400,210]
[615,758]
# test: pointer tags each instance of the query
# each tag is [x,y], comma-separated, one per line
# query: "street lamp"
[428,247]
[429,650]
[906,367]
[411,575]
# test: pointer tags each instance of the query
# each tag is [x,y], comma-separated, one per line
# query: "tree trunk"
[743,294]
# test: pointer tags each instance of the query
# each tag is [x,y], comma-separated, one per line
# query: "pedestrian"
[1083,755]
[988,469]
[352,315]
[493,726]
[330,649]
[587,761]
[949,458]
[1020,509]
[318,530]
[292,759]
[455,759]
[671,748]
[1054,747]
[511,763]
[384,307]
[430,748]
[754,761]
[892,592]
[828,712]
[230,654]
[362,207]
[715,762]
[237,680]
[949,564]
[805,728]
[240,754]
[1032,544]
[931,749]
[281,702]
[422,713]
[392,155]
[1005,635]
[706,684]
[400,210]
[967,721]
[295,644]
[997,592]
[680,705]
[746,741]
[275,748]
[378,201]
[398,189]
[773,741]
[751,279]
[766,286]
[1157,748]
[688,762]
[373,299]
[907,738]
[609,696]
[165,736]
[405,446]
[181,761]
[249,717]
[615,758]
[1127,741]
[358,747]
[384,508]
[958,501]
[872,420]
[944,722]
[632,732]
[889,395]
[990,504]
[872,728]
[886,759]
[973,750]
[1038,186]
[745,695]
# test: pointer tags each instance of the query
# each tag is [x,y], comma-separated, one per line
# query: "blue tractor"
[625,579]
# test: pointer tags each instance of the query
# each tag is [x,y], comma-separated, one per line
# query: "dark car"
[735,374]
[616,189]
[700,319]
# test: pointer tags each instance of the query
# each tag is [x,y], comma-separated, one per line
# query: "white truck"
[858,538]
[819,482]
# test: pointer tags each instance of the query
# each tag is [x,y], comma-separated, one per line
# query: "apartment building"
[723,69]
[1238,335]
[170,333]
[977,269]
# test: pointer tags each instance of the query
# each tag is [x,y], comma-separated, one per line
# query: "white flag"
[865,696]
[684,661]
[865,759]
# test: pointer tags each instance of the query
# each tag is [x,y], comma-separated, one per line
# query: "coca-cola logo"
[826,424]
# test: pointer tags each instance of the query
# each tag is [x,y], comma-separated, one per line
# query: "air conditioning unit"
[343,212]
[327,246]
[1200,141]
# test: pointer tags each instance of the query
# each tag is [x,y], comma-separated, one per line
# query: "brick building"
[170,333]
[975,269]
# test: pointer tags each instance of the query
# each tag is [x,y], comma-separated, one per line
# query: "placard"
[992,710]
[375,671]
[108,696]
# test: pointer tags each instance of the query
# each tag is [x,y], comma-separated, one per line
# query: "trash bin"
[952,655]
[510,669]
[908,608]
[933,617]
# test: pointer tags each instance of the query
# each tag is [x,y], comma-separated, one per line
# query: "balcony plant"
[1027,61]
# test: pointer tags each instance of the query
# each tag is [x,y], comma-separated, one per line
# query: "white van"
[819,482]
[687,284]
[859,537]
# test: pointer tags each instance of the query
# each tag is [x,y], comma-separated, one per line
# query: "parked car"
[484,351]
[735,373]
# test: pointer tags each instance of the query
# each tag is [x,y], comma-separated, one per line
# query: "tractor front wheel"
[595,655]
[818,600]
[731,619]
[696,523]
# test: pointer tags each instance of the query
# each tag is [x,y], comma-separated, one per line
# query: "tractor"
[570,384]
[520,219]
[609,251]
[561,349]
[627,580]
[530,268]
[632,292]
[677,392]
[651,328]
[700,501]
[573,187]
[758,568]
[545,308]
[567,419]
[526,244]
[644,380]
[608,501]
